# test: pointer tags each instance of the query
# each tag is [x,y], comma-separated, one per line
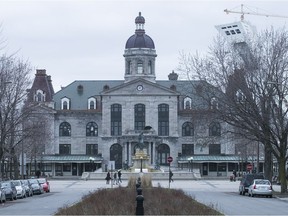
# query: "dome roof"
[140,39]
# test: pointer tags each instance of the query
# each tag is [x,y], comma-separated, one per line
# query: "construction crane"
[242,12]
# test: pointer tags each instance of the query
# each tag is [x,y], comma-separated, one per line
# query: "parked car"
[28,188]
[247,180]
[45,184]
[261,187]
[21,193]
[10,190]
[36,186]
[2,194]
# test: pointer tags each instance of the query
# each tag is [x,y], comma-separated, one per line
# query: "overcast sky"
[85,39]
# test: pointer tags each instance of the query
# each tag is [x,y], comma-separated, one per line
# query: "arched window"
[187,103]
[139,116]
[39,96]
[129,67]
[139,67]
[187,129]
[163,151]
[92,103]
[163,120]
[149,67]
[91,129]
[215,129]
[214,103]
[116,119]
[65,103]
[65,129]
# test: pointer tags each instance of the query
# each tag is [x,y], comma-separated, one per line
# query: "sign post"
[169,159]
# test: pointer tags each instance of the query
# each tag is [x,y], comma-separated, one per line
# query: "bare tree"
[14,80]
[251,96]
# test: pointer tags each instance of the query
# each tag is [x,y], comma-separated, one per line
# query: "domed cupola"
[140,54]
[140,39]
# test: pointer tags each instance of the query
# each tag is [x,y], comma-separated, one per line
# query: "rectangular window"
[67,167]
[187,149]
[91,149]
[47,167]
[163,120]
[58,167]
[212,167]
[222,167]
[116,120]
[163,128]
[64,149]
[116,128]
[214,149]
[139,116]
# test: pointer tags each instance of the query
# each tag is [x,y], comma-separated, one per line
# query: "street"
[219,194]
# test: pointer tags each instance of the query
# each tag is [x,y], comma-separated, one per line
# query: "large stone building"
[98,121]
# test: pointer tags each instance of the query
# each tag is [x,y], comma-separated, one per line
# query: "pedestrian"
[108,178]
[170,176]
[115,178]
[234,175]
[38,173]
[119,176]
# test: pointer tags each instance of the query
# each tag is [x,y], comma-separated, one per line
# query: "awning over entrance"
[71,159]
[216,159]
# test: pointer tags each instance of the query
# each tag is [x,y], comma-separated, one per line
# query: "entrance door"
[74,169]
[205,169]
[116,155]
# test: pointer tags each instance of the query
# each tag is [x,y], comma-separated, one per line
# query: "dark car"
[10,190]
[36,186]
[247,180]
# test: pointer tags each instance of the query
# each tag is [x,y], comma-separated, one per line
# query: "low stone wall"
[154,175]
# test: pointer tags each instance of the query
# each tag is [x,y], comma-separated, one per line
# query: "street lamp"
[190,159]
[92,163]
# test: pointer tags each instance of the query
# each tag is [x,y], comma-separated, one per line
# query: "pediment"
[140,87]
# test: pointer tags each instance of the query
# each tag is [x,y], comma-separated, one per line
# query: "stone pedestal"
[141,156]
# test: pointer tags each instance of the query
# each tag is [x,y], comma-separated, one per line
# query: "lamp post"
[91,163]
[190,159]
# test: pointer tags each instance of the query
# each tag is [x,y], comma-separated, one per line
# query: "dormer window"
[187,103]
[92,103]
[80,89]
[39,96]
[65,103]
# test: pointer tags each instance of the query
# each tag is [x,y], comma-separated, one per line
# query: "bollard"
[139,207]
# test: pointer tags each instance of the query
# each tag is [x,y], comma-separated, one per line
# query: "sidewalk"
[277,189]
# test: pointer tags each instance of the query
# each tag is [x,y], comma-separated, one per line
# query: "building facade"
[96,124]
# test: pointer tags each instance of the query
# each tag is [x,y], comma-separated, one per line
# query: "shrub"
[122,201]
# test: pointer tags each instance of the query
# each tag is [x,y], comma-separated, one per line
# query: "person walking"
[115,178]
[108,178]
[119,176]
[170,176]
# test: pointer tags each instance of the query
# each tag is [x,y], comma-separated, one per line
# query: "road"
[219,194]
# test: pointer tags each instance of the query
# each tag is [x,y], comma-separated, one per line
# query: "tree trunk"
[282,174]
[268,163]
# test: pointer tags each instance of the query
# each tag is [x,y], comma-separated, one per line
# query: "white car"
[2,195]
[21,192]
[261,187]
